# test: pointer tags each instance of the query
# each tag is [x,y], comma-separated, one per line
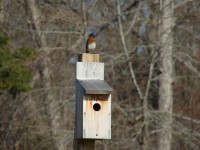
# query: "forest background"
[151,51]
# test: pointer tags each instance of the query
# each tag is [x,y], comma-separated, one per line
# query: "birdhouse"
[93,102]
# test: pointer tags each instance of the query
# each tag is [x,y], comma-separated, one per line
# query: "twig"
[126,52]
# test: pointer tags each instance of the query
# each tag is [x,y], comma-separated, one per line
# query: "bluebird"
[91,43]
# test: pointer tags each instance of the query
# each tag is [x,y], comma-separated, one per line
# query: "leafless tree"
[145,45]
[166,25]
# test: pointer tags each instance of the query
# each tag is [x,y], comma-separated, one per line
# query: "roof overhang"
[95,86]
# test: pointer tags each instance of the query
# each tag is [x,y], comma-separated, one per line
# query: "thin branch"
[182,3]
[134,20]
[93,6]
[84,18]
[151,68]
[47,32]
[126,52]
[186,118]
[188,64]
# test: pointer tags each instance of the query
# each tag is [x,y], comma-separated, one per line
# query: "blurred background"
[39,44]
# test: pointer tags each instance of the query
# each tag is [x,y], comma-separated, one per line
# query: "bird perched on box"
[91,43]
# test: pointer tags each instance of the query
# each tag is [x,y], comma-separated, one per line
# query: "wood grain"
[89,70]
[97,124]
[86,57]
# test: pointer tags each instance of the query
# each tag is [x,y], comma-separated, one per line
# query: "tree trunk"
[36,18]
[166,78]
[52,105]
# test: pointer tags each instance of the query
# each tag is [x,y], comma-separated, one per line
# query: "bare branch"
[134,20]
[126,52]
[182,3]
[84,18]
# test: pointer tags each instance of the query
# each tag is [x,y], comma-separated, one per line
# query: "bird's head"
[93,34]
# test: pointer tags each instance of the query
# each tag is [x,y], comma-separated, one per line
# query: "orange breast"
[91,40]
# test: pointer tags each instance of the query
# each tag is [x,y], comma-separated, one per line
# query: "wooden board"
[89,70]
[79,112]
[97,124]
[95,87]
[85,57]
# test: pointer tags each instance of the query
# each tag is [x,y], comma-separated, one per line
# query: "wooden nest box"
[93,99]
